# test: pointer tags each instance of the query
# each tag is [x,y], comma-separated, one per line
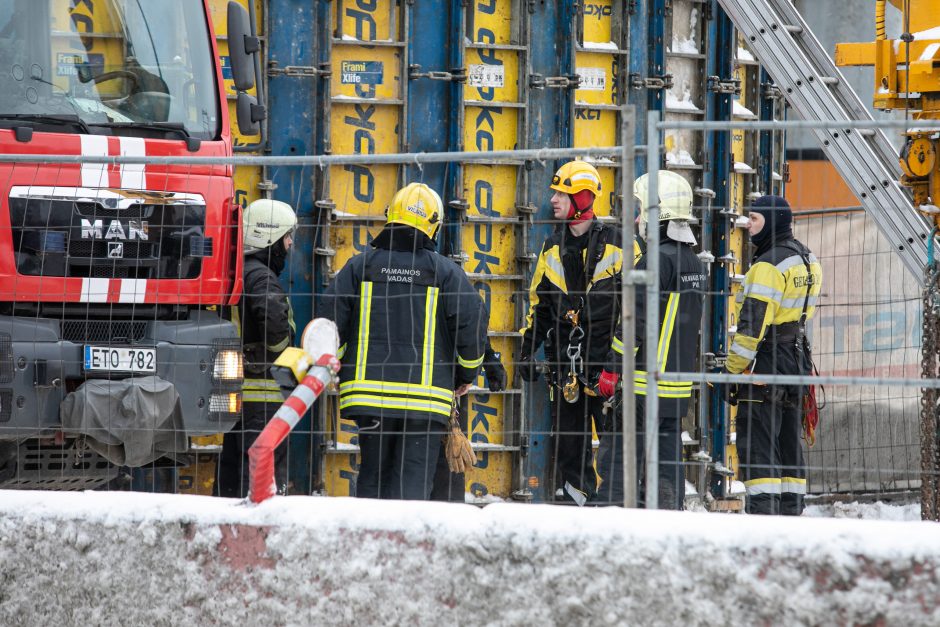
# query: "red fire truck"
[113,277]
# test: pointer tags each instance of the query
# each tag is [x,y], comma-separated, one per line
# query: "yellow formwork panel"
[375,20]
[491,248]
[736,242]
[597,21]
[364,128]
[342,466]
[247,178]
[351,238]
[362,190]
[488,424]
[598,127]
[491,191]
[492,473]
[597,71]
[595,127]
[498,71]
[218,10]
[490,22]
[490,128]
[363,72]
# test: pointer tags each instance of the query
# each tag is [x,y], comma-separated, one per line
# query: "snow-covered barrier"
[124,559]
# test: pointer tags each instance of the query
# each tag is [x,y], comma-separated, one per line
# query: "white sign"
[482,75]
[592,78]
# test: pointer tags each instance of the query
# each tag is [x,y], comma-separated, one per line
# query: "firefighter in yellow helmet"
[267,327]
[778,299]
[574,309]
[412,333]
[682,284]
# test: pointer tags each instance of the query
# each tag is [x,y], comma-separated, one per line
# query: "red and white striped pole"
[320,336]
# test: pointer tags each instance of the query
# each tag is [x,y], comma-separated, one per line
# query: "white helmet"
[266,221]
[675,204]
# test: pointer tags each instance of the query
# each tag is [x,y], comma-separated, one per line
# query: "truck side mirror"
[249,113]
[242,46]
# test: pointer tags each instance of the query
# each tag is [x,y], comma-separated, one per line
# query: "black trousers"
[233,463]
[770,453]
[571,445]
[610,461]
[447,486]
[398,457]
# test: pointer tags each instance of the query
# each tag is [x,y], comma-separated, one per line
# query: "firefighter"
[779,297]
[412,335]
[267,327]
[682,284]
[574,308]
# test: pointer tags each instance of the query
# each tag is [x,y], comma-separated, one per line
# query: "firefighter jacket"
[781,284]
[267,327]
[580,274]
[682,283]
[411,330]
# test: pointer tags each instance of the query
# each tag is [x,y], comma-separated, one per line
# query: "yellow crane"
[907,78]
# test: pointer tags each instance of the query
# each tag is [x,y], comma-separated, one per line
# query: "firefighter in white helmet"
[682,285]
[267,327]
[412,335]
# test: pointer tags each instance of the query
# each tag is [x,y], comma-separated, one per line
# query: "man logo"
[115,250]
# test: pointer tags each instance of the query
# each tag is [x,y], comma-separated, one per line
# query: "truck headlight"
[229,366]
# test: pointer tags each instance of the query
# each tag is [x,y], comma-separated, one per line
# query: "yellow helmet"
[576,176]
[418,206]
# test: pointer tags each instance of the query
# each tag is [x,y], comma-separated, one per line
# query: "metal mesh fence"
[869,324]
[865,338]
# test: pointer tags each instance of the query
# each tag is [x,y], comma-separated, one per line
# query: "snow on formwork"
[121,558]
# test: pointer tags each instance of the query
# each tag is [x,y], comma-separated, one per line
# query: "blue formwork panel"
[292,29]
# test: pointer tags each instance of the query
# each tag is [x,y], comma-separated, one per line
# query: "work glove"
[607,383]
[457,450]
[528,369]
[495,373]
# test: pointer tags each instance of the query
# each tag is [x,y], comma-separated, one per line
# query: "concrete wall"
[128,559]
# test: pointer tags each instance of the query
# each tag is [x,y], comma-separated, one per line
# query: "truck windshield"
[108,65]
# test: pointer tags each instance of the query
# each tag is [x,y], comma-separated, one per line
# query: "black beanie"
[778,219]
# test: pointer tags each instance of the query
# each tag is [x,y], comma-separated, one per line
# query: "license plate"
[107,359]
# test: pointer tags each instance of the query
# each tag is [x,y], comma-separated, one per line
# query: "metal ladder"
[816,89]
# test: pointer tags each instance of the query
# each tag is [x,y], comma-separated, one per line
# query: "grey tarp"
[130,422]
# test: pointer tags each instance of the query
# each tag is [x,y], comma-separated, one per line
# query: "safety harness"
[571,388]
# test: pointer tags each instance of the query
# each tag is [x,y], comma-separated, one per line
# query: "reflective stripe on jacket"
[775,288]
[682,283]
[595,292]
[411,329]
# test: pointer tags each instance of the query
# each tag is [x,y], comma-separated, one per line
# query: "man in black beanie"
[778,298]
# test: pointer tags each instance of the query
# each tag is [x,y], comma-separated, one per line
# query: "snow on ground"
[865,511]
[124,558]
